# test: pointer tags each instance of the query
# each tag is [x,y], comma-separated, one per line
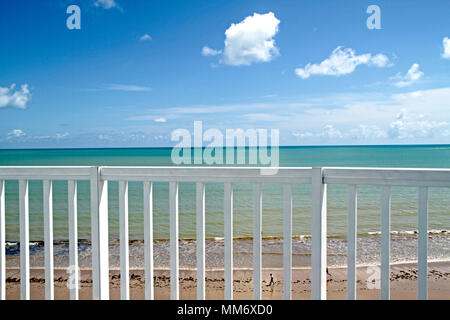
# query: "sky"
[136,71]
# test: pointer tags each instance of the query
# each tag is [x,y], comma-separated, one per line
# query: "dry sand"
[403,283]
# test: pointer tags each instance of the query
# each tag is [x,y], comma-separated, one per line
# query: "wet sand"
[403,283]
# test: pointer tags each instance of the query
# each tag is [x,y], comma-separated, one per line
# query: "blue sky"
[137,70]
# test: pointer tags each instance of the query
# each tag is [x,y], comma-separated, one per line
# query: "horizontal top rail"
[44,173]
[208,174]
[388,176]
[301,175]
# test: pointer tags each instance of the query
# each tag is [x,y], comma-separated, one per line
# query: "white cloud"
[344,118]
[361,132]
[409,78]
[251,40]
[327,132]
[367,132]
[302,135]
[105,137]
[136,136]
[161,120]
[411,117]
[62,135]
[106,4]
[330,132]
[16,99]
[268,96]
[408,125]
[126,87]
[256,117]
[379,60]
[16,133]
[446,44]
[342,61]
[145,37]
[207,51]
[19,135]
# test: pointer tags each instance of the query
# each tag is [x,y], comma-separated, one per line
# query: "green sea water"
[404,200]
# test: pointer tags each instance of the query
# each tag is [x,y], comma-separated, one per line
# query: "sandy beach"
[403,283]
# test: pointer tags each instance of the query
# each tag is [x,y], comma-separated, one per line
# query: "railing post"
[124,250]
[352,241]
[100,242]
[73,237]
[287,241]
[148,239]
[48,236]
[385,241]
[423,245]
[174,249]
[257,241]
[319,235]
[228,240]
[200,207]
[24,241]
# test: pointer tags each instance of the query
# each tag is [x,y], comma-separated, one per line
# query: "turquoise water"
[404,200]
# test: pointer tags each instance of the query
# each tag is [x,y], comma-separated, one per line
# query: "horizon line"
[285,146]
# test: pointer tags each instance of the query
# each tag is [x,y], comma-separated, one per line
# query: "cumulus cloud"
[342,61]
[106,4]
[446,44]
[409,78]
[161,120]
[207,51]
[9,97]
[145,37]
[251,40]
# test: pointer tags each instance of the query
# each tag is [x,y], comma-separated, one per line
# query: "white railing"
[318,178]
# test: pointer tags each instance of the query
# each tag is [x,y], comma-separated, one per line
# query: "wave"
[40,243]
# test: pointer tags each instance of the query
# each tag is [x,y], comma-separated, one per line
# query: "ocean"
[403,216]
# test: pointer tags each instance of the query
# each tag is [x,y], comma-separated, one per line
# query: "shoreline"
[414,232]
[403,250]
[403,283]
